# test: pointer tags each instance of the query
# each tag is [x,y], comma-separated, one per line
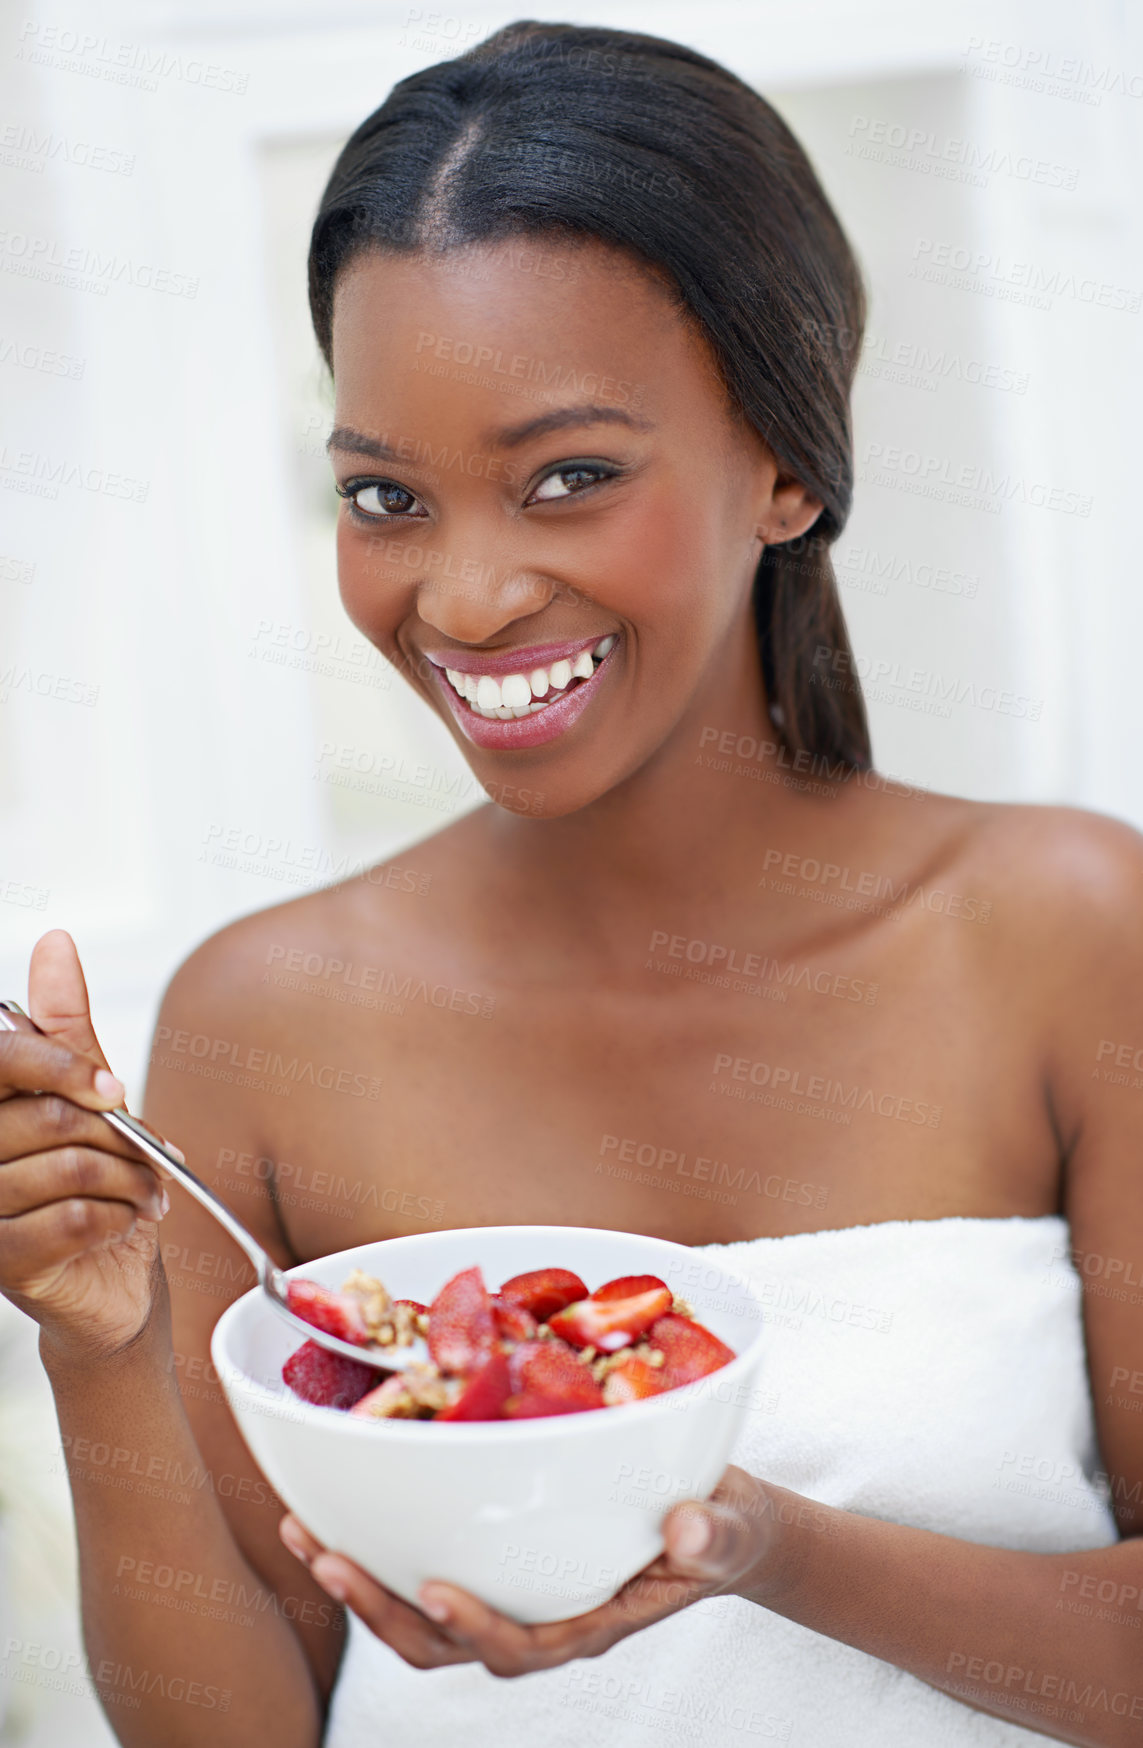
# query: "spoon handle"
[270,1277]
[157,1151]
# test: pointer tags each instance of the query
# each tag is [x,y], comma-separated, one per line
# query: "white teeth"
[515,691]
[515,694]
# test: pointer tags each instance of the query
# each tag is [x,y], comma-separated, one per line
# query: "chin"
[541,795]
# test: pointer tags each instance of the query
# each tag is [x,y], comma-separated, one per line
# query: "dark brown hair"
[657,150]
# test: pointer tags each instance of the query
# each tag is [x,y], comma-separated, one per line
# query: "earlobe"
[791,526]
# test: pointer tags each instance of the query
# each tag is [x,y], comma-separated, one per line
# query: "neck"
[683,837]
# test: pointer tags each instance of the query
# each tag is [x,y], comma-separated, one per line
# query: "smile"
[505,701]
[526,694]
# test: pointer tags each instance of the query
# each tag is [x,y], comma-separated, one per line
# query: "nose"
[473,601]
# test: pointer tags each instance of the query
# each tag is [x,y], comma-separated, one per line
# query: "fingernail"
[162,1204]
[434,1606]
[294,1542]
[692,1537]
[334,1585]
[108,1087]
[177,1151]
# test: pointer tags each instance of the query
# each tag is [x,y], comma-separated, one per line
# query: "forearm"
[166,1674]
[994,1628]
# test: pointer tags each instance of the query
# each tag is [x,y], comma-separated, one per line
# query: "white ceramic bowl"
[543,1519]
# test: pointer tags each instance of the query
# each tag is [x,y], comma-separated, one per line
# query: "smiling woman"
[575,542]
[591,326]
[564,135]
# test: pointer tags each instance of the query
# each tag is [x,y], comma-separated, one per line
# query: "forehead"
[516,326]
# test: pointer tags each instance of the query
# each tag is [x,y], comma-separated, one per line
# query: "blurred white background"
[177,676]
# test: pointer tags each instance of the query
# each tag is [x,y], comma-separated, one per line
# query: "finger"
[37,1122]
[57,995]
[504,1646]
[337,1573]
[30,1063]
[39,1179]
[709,1541]
[508,1649]
[298,1539]
[707,1544]
[34,1247]
[652,1595]
[659,1590]
[404,1629]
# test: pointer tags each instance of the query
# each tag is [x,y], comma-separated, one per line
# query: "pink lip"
[513,661]
[525,731]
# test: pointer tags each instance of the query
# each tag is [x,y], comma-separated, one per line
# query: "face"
[550,516]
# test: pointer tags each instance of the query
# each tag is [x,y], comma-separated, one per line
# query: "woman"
[706,975]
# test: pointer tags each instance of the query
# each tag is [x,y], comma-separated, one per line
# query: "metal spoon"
[270,1277]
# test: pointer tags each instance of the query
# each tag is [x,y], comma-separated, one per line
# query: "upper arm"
[216,1122]
[1096,1086]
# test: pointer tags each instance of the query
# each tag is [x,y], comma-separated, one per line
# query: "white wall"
[192,621]
[164,605]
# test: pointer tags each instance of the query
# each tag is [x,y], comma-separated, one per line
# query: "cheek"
[674,564]
[373,584]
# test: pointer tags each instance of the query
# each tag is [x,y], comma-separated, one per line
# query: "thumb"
[708,1541]
[57,995]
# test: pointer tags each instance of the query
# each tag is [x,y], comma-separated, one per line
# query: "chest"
[700,1102]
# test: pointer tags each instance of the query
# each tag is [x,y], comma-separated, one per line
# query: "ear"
[790,512]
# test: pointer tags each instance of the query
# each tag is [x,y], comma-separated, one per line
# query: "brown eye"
[379,498]
[566,481]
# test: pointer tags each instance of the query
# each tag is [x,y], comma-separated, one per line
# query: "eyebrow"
[353,442]
[511,436]
[357,443]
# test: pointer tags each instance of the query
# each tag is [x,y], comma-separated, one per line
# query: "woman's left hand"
[709,1546]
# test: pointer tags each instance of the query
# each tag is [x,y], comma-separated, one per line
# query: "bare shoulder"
[1060,962]
[402,910]
[1064,869]
[1060,890]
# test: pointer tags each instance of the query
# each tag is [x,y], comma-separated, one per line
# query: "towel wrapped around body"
[927,1372]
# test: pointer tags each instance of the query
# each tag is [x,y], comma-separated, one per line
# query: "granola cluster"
[389,1322]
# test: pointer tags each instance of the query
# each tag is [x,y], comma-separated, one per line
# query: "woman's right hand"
[78,1207]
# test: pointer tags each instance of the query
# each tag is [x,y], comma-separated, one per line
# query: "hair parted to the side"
[652,148]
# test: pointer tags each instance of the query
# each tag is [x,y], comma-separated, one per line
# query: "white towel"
[928,1372]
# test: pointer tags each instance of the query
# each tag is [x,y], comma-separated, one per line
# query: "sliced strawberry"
[484,1394]
[543,1291]
[325,1378]
[413,1304]
[689,1350]
[531,1406]
[390,1400]
[550,1368]
[512,1321]
[339,1314]
[609,1324]
[631,1381]
[626,1286]
[462,1330]
[527,1351]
